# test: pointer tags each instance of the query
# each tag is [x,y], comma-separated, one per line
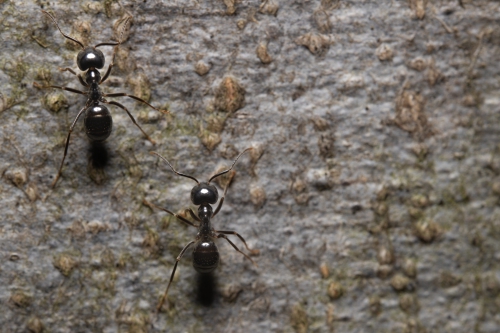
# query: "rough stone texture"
[375,203]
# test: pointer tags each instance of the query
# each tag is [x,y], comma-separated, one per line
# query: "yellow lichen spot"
[400,282]
[262,53]
[299,319]
[335,290]
[65,264]
[230,96]
[257,195]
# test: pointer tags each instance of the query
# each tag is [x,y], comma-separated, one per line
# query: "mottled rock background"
[374,204]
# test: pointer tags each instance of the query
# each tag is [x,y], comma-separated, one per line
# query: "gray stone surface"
[375,203]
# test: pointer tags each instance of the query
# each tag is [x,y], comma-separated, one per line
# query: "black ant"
[98,122]
[205,253]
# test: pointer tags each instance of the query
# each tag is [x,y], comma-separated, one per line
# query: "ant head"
[90,57]
[204,193]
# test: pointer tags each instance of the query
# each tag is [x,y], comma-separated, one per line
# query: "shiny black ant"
[98,122]
[205,253]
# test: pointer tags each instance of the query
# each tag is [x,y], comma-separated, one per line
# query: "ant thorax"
[205,213]
[93,77]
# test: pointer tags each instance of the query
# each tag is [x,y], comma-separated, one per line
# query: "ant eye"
[90,57]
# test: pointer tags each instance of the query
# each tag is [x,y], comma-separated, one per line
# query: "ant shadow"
[98,155]
[206,289]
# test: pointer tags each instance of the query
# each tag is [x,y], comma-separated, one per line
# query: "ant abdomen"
[205,256]
[98,123]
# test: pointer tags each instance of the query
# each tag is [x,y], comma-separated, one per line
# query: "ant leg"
[147,203]
[162,300]
[230,232]
[131,117]
[82,81]
[80,78]
[219,206]
[67,144]
[58,87]
[67,69]
[236,248]
[193,215]
[105,77]
[137,99]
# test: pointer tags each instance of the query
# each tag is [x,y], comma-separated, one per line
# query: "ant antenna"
[226,171]
[171,167]
[57,25]
[120,37]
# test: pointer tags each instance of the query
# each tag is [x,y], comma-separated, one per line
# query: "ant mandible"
[98,122]
[205,253]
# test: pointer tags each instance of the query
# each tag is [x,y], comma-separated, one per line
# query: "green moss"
[15,69]
[125,260]
[66,262]
[177,241]
[105,283]
[151,243]
[165,222]
[181,127]
[17,96]
[462,191]
[299,318]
